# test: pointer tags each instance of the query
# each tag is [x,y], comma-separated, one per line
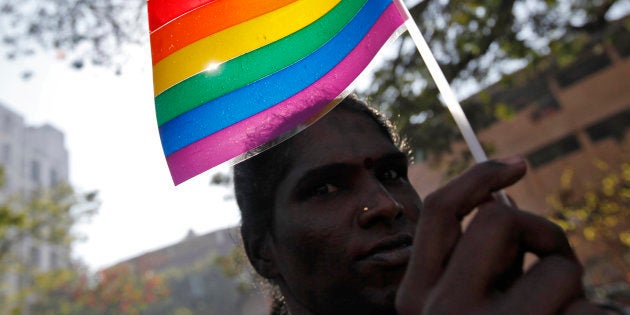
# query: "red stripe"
[205,21]
[265,126]
[163,11]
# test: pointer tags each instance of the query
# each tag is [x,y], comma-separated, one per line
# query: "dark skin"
[330,256]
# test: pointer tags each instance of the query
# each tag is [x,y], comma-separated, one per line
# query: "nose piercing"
[365,209]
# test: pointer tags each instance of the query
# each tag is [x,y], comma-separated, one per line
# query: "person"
[330,218]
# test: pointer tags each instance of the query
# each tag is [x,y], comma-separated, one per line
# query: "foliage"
[214,284]
[115,290]
[597,213]
[46,216]
[77,30]
[476,43]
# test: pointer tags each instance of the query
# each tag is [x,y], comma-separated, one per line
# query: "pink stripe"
[267,125]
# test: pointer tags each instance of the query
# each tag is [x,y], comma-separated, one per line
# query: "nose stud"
[365,209]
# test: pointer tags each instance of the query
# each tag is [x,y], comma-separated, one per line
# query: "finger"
[462,194]
[545,289]
[484,252]
[495,238]
[582,306]
[439,225]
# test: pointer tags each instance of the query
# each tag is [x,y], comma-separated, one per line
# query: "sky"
[113,143]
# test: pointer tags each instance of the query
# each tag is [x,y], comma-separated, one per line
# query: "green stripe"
[255,65]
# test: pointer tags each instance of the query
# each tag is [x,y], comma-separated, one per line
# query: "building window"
[54,178]
[621,41]
[4,178]
[7,124]
[547,105]
[34,257]
[614,127]
[6,153]
[582,68]
[35,171]
[553,151]
[54,261]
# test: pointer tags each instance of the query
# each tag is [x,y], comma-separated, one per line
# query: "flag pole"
[447,93]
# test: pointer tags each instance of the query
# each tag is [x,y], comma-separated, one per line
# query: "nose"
[380,207]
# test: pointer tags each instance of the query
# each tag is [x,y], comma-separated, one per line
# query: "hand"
[479,271]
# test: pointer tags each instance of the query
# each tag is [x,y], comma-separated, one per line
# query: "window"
[34,257]
[612,127]
[35,171]
[553,151]
[621,41]
[6,153]
[547,105]
[522,96]
[54,261]
[7,124]
[582,68]
[54,178]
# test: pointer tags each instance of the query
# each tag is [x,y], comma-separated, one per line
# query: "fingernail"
[514,160]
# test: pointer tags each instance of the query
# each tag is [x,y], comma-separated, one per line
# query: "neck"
[291,305]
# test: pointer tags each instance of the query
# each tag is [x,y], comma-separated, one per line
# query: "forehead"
[339,137]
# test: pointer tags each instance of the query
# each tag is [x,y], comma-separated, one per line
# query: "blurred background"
[90,222]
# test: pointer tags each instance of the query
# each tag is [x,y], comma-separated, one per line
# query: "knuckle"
[558,239]
[487,171]
[557,233]
[439,306]
[570,271]
[430,201]
[434,203]
[495,214]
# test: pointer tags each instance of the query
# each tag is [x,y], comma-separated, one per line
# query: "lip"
[390,251]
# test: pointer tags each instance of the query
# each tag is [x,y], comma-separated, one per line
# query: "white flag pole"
[447,93]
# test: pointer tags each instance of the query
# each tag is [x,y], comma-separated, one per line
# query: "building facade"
[32,158]
[562,120]
[574,118]
[205,274]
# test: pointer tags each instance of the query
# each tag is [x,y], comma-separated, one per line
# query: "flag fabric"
[230,76]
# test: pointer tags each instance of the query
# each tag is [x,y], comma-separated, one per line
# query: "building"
[567,117]
[33,158]
[205,274]
[572,117]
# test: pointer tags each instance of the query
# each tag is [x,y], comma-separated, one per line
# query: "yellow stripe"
[237,40]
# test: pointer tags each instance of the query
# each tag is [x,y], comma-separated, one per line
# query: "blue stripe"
[251,99]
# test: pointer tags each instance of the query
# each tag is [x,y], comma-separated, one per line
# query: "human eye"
[318,190]
[390,174]
[393,174]
[323,183]
[324,189]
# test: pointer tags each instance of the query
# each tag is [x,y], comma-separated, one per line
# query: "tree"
[77,30]
[45,216]
[476,42]
[214,284]
[115,290]
[596,214]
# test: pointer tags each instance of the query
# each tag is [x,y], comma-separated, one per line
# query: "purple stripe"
[267,125]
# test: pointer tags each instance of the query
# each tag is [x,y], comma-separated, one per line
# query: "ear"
[260,251]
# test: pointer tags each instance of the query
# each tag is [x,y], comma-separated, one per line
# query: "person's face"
[330,254]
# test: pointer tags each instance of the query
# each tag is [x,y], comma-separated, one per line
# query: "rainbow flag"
[230,76]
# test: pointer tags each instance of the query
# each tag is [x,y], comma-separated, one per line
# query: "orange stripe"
[204,21]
